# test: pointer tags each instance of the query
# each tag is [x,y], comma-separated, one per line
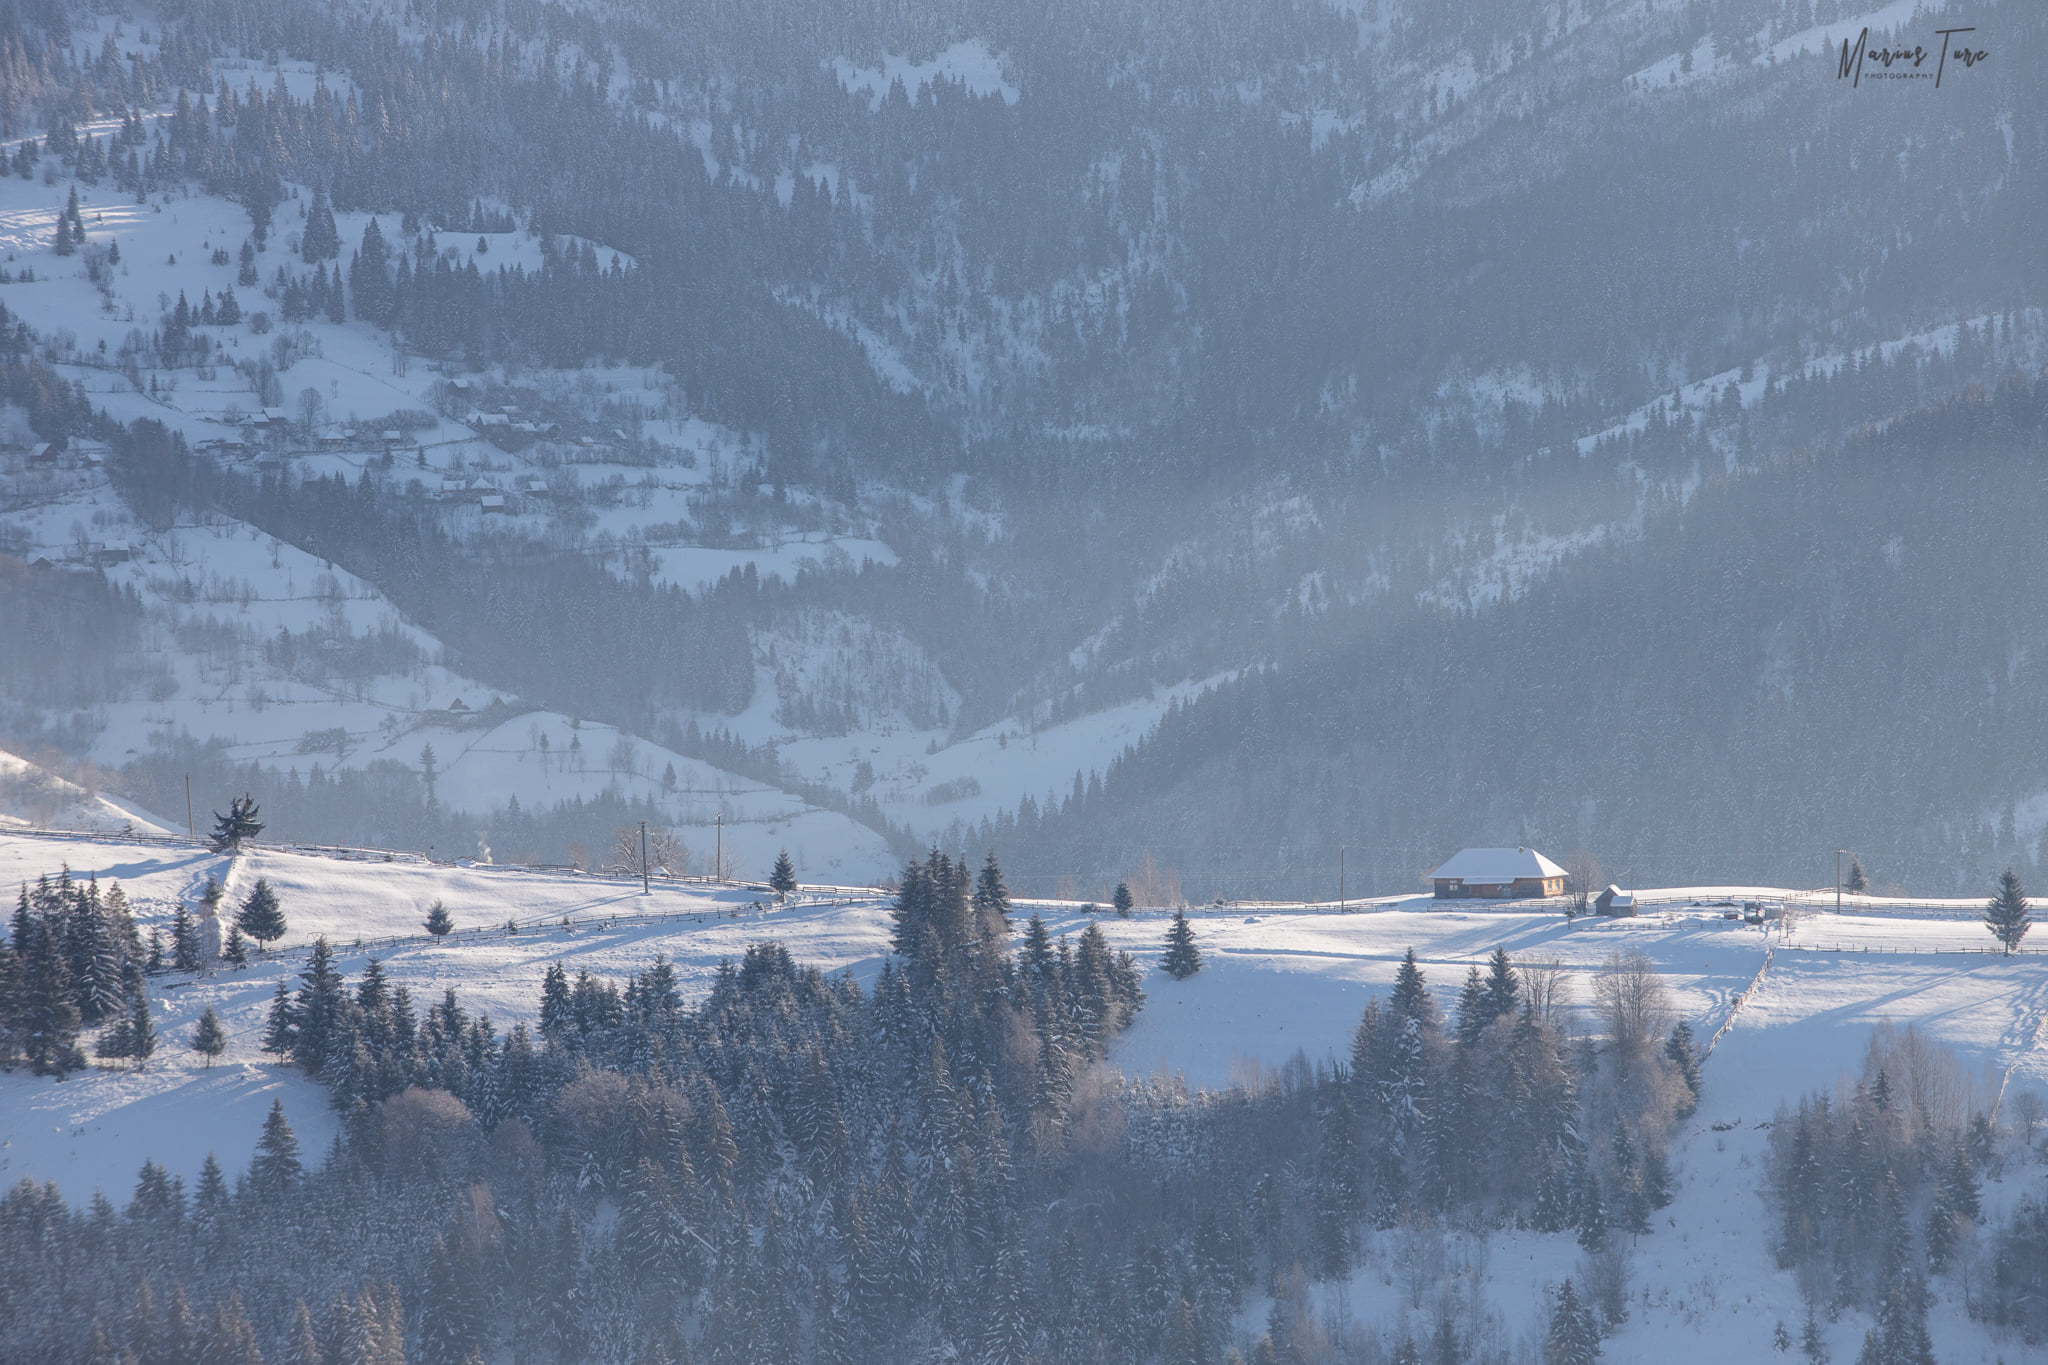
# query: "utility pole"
[718,861]
[191,829]
[643,859]
[1343,901]
[1838,881]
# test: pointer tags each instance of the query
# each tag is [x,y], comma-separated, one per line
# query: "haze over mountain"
[901,410]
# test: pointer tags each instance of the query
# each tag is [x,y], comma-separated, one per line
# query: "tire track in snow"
[2030,1020]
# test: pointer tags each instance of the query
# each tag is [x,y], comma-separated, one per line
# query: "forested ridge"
[1779,661]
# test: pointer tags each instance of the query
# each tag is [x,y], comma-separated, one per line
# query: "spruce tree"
[991,900]
[782,880]
[1503,986]
[369,276]
[261,917]
[281,1030]
[1183,958]
[1592,1214]
[1122,901]
[238,824]
[184,941]
[302,1346]
[113,1044]
[209,1039]
[1475,1009]
[1574,1336]
[236,951]
[233,1339]
[1411,998]
[439,922]
[320,1009]
[2008,916]
[13,995]
[130,1036]
[49,1019]
[275,1168]
[141,1029]
[1857,883]
[320,241]
[1813,1343]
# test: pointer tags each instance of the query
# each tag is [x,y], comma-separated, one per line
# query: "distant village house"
[1497,874]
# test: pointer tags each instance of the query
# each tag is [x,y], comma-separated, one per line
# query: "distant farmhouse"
[1498,874]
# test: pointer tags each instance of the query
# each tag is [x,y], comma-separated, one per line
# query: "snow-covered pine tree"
[1503,986]
[70,227]
[184,940]
[439,922]
[1183,957]
[236,951]
[319,1010]
[1813,1343]
[369,276]
[1685,1061]
[231,1340]
[1411,998]
[275,1168]
[1475,1009]
[1954,1207]
[1574,1336]
[280,1030]
[320,241]
[1122,901]
[991,899]
[301,1345]
[238,824]
[2008,916]
[113,1044]
[49,1021]
[261,917]
[1591,1208]
[209,1039]
[782,880]
[12,998]
[142,1039]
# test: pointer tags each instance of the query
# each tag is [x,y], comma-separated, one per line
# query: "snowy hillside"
[1789,1007]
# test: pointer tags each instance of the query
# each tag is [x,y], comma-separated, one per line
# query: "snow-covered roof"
[1488,866]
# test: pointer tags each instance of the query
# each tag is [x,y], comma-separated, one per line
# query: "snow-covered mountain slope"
[1789,1007]
[31,795]
[292,662]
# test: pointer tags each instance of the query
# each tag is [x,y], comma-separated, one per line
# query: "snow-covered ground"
[31,795]
[1790,1007]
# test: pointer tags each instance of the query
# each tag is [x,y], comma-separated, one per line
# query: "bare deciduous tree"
[1547,986]
[624,855]
[1582,881]
[1634,1004]
[667,852]
[2028,1109]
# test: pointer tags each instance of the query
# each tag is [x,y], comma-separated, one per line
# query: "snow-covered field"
[1791,1007]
